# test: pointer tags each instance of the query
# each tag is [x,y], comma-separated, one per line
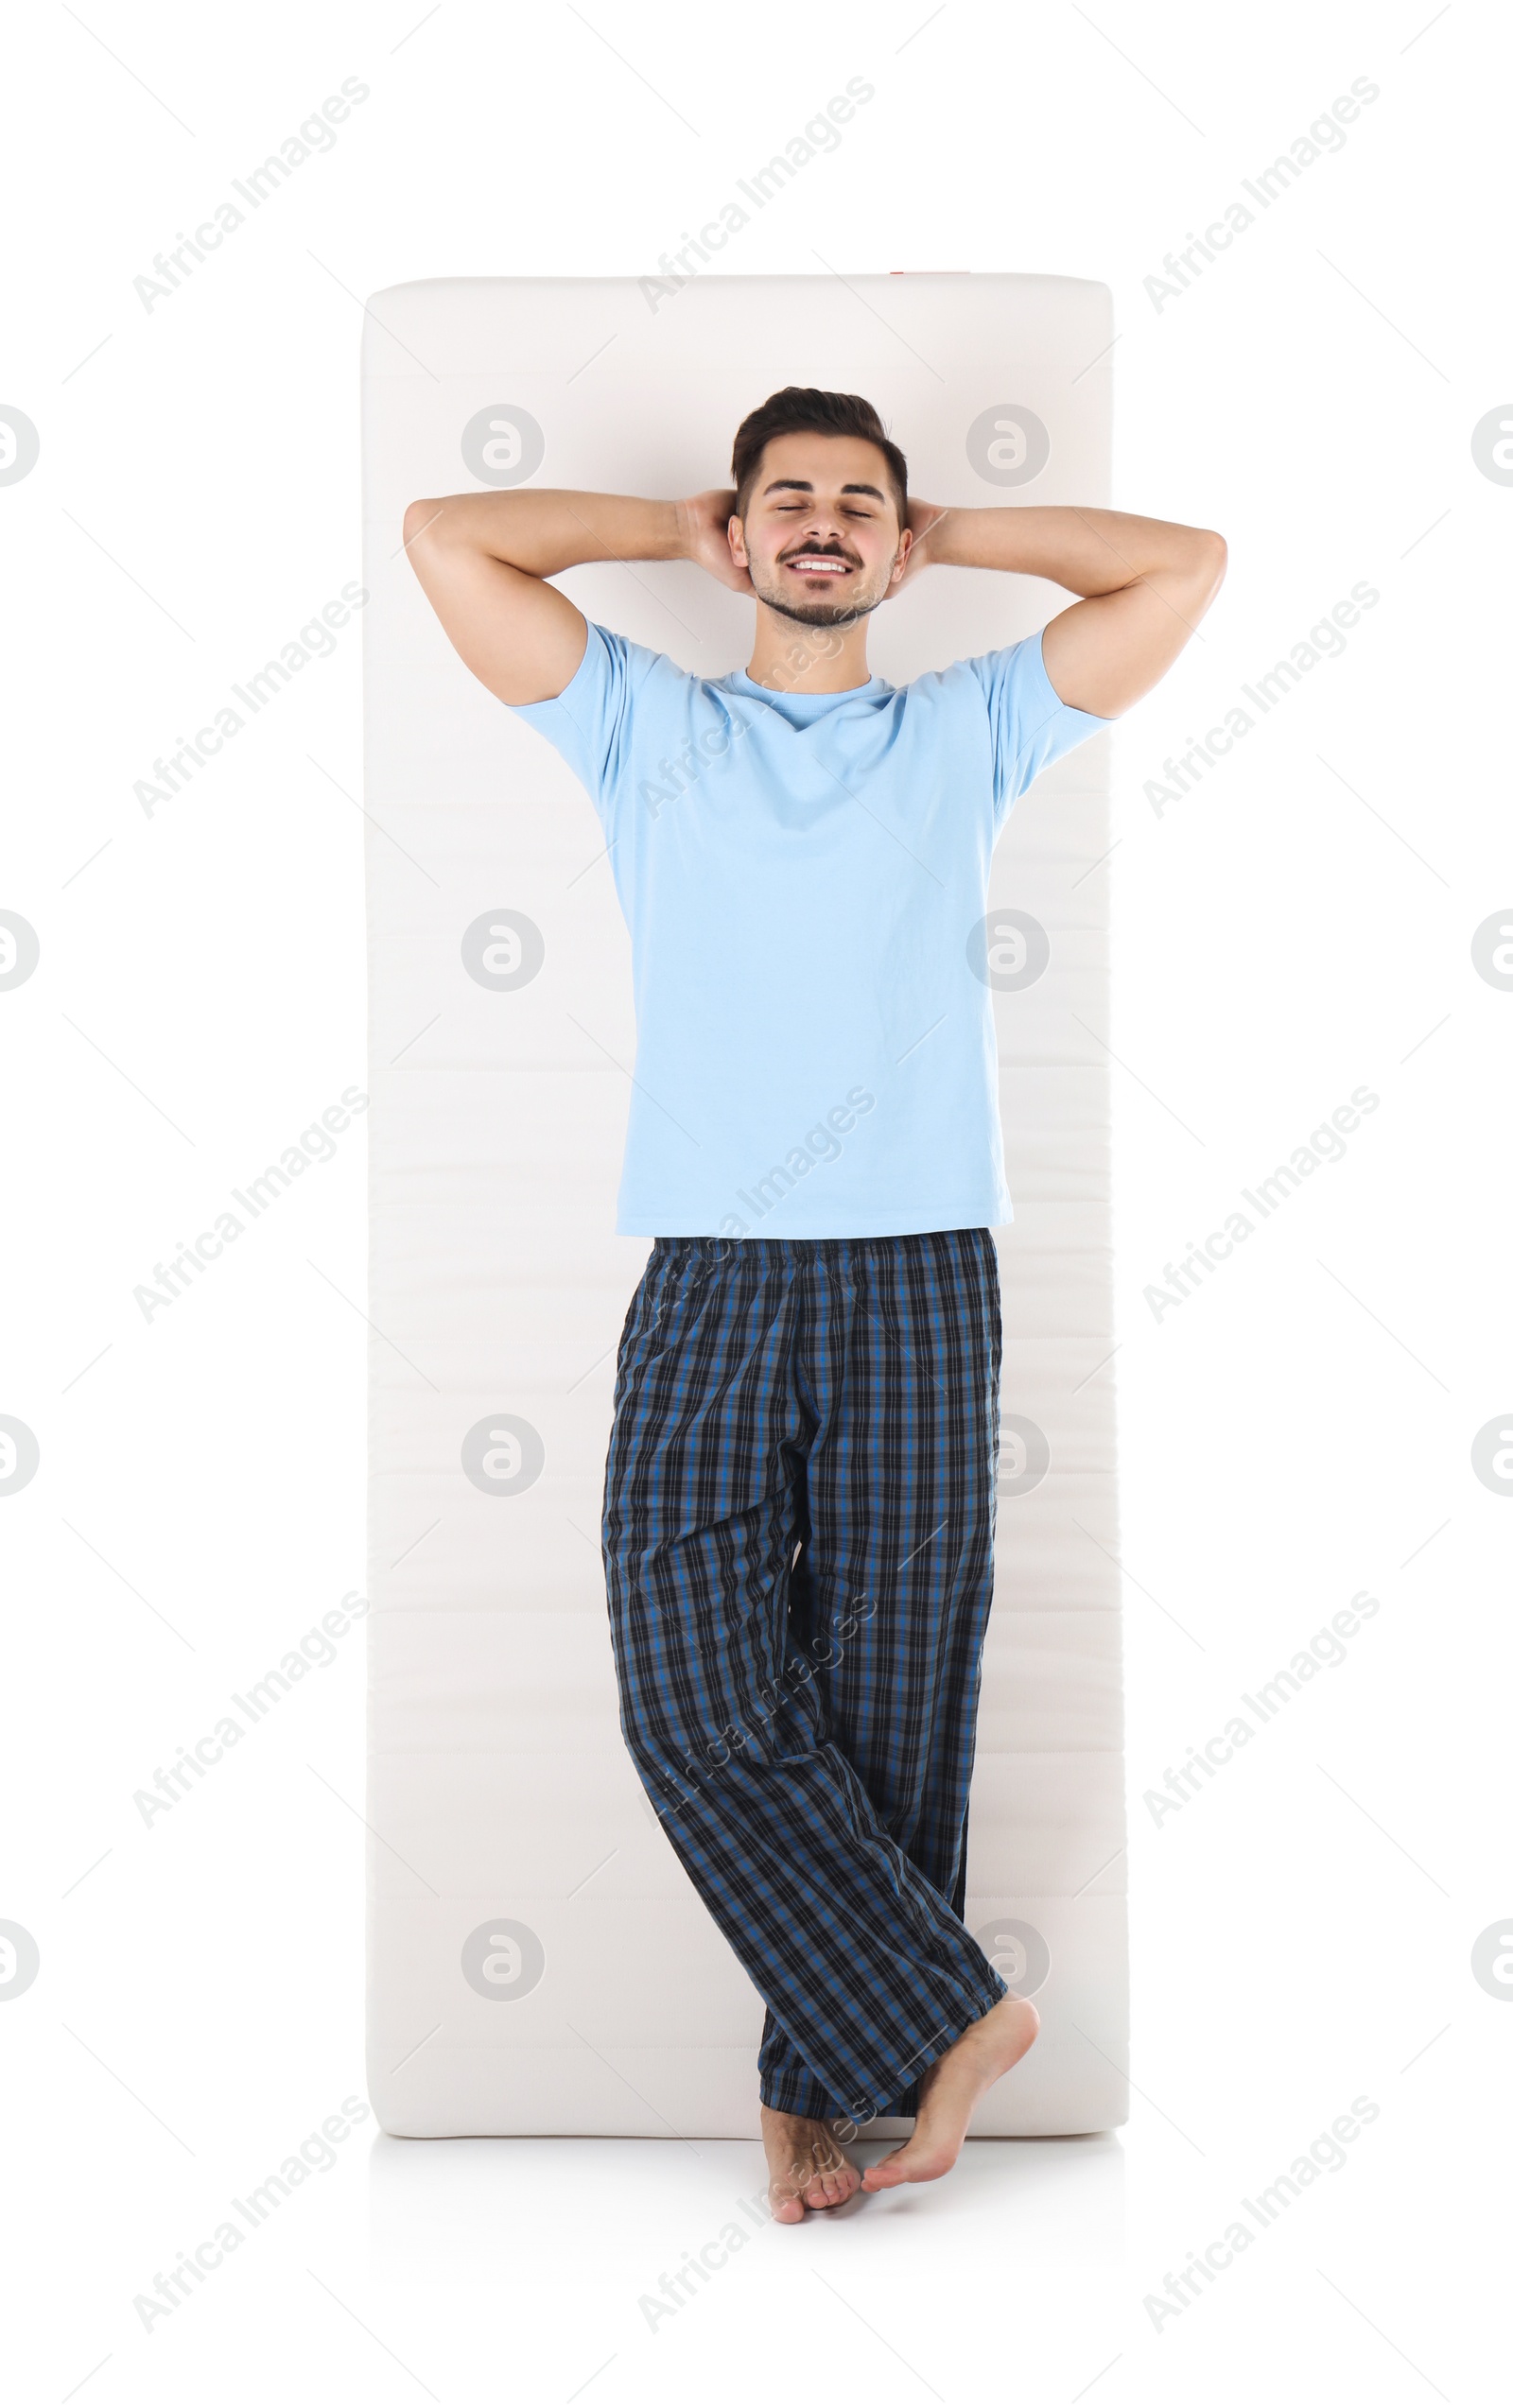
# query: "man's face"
[821,540]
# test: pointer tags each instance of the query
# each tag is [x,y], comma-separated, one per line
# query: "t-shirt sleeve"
[589,721]
[1030,725]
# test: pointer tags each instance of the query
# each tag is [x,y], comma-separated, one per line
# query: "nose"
[822,529]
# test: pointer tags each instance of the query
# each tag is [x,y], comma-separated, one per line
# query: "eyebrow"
[802,485]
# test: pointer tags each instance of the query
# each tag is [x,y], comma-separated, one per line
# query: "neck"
[798,659]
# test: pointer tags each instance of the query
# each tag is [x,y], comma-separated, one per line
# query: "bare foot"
[807,2165]
[950,2088]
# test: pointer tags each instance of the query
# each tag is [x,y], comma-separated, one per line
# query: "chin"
[840,613]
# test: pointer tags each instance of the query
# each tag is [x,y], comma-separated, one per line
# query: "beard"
[857,603]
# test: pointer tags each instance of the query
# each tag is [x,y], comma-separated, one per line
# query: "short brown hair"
[804,410]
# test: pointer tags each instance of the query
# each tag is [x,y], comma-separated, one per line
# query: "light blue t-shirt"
[804,881]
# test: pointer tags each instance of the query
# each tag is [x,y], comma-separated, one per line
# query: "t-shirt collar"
[748,684]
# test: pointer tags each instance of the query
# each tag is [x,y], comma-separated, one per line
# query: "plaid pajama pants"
[799,1508]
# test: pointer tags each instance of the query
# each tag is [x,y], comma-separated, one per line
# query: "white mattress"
[538,1960]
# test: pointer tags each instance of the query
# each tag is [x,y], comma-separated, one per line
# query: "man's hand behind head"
[703,521]
[923,518]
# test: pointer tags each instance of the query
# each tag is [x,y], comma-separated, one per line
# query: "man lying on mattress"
[799,1496]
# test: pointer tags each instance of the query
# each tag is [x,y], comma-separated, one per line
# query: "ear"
[906,545]
[736,537]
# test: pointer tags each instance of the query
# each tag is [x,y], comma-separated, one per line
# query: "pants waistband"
[767,1250]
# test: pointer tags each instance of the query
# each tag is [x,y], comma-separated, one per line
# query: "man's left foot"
[950,2088]
[807,2166]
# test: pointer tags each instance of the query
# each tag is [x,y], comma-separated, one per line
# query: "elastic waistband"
[798,1250]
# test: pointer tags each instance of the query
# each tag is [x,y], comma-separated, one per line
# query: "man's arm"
[484,559]
[1146,583]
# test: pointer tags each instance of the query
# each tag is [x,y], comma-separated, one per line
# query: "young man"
[799,1496]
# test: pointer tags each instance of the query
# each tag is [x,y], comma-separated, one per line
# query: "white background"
[1298,1429]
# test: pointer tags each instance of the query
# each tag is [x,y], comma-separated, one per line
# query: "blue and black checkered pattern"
[799,1508]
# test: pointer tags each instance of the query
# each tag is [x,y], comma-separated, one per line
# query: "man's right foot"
[950,2088]
[808,2166]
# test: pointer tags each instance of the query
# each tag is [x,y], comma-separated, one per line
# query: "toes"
[831,2185]
[820,2177]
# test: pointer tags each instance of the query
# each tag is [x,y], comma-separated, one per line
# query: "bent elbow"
[418,517]
[1213,553]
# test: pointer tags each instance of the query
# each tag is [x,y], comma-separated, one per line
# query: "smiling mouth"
[819,564]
